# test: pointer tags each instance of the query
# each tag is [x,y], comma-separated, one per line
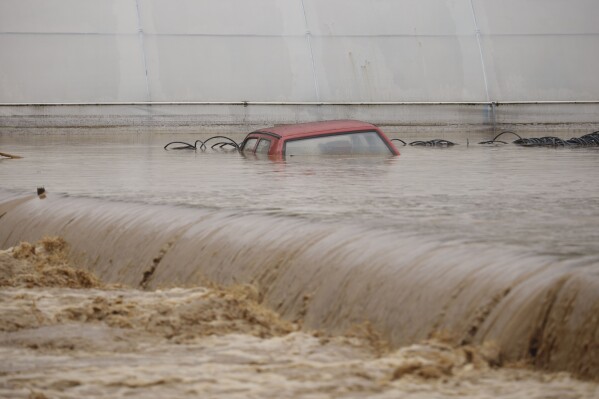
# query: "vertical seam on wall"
[309,40]
[140,32]
[480,50]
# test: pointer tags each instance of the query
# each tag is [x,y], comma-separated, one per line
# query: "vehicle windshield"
[357,143]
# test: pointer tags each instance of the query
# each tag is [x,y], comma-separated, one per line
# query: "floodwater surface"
[545,200]
[469,271]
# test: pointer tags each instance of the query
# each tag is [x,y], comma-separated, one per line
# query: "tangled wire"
[429,143]
[202,147]
[494,141]
[588,140]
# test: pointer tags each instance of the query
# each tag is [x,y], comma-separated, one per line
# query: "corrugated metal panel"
[551,67]
[298,50]
[389,17]
[222,17]
[71,68]
[540,49]
[68,16]
[537,17]
[238,68]
[398,69]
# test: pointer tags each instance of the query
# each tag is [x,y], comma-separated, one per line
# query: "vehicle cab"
[343,137]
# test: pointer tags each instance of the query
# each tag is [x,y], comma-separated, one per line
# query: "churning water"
[484,243]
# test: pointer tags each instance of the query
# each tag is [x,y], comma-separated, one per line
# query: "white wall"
[298,50]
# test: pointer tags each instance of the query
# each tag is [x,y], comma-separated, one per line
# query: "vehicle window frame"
[258,146]
[253,150]
[391,152]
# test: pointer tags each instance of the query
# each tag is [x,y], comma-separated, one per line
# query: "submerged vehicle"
[340,137]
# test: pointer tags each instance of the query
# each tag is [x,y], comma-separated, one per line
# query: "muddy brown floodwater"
[66,334]
[470,271]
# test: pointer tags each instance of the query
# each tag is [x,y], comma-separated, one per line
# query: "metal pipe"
[318,103]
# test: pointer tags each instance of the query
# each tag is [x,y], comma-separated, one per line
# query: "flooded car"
[342,137]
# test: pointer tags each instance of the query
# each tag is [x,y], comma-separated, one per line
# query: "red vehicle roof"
[310,128]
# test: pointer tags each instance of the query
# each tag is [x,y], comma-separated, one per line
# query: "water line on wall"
[309,39]
[480,50]
[140,32]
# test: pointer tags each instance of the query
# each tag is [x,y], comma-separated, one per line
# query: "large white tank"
[234,64]
[298,50]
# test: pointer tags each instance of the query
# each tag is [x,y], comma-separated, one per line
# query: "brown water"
[484,245]
[65,334]
[543,200]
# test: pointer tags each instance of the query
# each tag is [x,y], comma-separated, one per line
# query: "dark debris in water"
[588,140]
[427,143]
[222,144]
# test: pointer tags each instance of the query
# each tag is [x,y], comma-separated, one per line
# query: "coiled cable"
[202,147]
[499,135]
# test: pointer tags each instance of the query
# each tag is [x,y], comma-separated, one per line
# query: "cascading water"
[335,275]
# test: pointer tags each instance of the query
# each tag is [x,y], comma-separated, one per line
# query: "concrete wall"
[57,51]
[437,119]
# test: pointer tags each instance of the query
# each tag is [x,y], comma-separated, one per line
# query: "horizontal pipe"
[495,103]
